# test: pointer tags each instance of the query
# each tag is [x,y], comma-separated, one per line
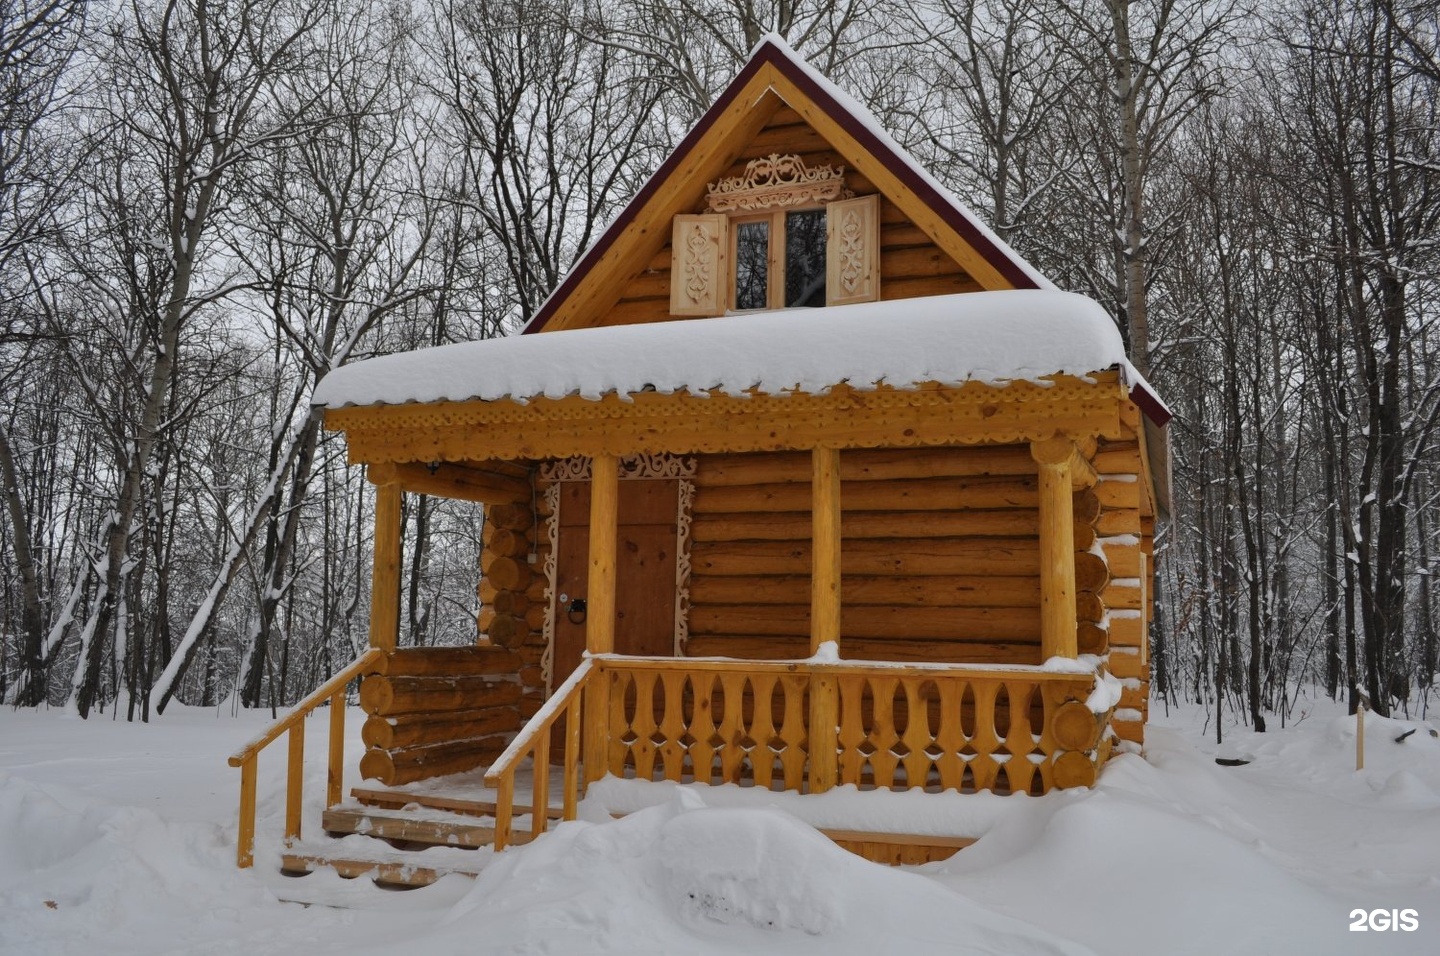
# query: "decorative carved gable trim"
[777,180]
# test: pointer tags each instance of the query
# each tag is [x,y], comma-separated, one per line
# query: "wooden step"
[896,849]
[428,827]
[388,872]
[400,799]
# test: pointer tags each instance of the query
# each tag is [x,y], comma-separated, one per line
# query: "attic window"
[780,235]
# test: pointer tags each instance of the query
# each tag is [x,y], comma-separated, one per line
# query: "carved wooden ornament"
[698,271]
[777,180]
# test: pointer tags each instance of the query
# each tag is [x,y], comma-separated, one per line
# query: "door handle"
[575,611]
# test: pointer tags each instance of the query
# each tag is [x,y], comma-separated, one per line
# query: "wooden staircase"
[414,839]
[402,826]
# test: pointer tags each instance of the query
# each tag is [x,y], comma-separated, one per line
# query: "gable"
[930,244]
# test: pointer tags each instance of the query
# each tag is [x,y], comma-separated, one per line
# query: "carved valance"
[776,180]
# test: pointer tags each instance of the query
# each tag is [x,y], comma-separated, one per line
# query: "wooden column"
[1057,547]
[824,614]
[385,580]
[604,530]
[600,601]
[825,548]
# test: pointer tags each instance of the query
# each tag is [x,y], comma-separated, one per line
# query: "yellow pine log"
[1136,698]
[867,465]
[1122,521]
[921,494]
[1118,459]
[945,556]
[1073,769]
[825,570]
[385,578]
[1126,631]
[1091,638]
[604,528]
[961,623]
[750,647]
[462,483]
[535,617]
[1118,494]
[446,662]
[486,590]
[855,590]
[510,602]
[393,768]
[1089,608]
[1075,726]
[387,696]
[795,526]
[390,733]
[1121,597]
[507,574]
[508,544]
[507,630]
[1125,665]
[537,589]
[513,517]
[1123,559]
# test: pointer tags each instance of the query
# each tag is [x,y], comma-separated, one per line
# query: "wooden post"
[504,801]
[540,786]
[604,529]
[1057,547]
[572,757]
[334,783]
[385,580]
[825,548]
[294,780]
[824,731]
[824,614]
[1360,736]
[600,597]
[245,839]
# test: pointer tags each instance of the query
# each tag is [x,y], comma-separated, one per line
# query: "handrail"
[535,739]
[843,667]
[332,690]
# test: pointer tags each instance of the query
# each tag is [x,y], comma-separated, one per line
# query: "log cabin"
[800,479]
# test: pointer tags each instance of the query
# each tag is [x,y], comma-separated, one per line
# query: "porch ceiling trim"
[685,423]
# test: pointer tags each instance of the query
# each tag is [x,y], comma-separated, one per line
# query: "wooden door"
[644,571]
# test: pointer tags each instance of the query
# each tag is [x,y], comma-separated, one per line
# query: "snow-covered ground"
[118,838]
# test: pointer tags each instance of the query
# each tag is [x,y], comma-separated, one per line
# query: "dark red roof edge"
[1151,405]
[769,53]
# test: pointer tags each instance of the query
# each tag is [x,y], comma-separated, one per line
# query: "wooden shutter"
[852,250]
[699,273]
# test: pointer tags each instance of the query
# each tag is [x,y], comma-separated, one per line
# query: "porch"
[879,726]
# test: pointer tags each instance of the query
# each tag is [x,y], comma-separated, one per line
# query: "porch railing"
[938,727]
[293,723]
[534,741]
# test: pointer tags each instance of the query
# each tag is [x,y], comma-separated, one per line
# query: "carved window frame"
[679,468]
[770,188]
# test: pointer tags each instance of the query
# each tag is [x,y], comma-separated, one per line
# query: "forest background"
[207,204]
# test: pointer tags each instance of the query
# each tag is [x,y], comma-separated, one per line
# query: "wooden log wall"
[1125,535]
[512,591]
[940,556]
[910,263]
[438,710]
[442,710]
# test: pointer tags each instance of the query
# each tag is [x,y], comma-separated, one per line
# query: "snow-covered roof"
[991,337]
